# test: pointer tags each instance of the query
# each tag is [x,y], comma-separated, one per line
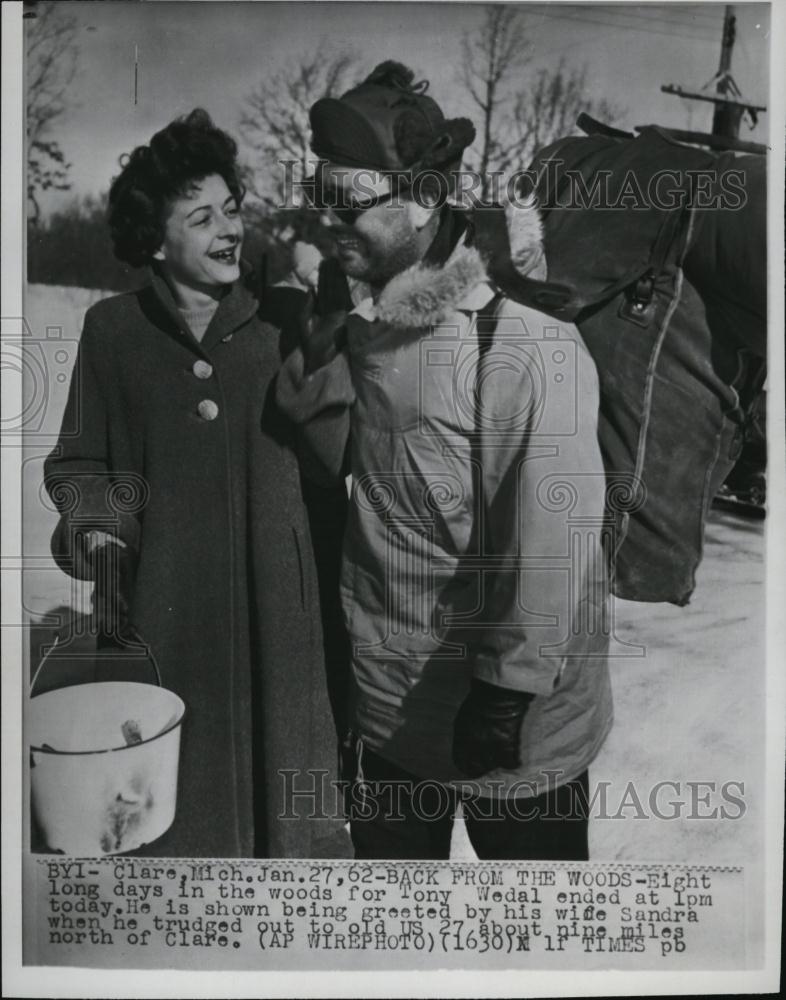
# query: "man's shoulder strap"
[486,322]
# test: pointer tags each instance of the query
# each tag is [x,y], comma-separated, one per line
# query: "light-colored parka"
[473,545]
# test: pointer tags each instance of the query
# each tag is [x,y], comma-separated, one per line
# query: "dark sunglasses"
[342,205]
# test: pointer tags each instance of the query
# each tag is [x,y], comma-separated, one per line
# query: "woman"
[185,471]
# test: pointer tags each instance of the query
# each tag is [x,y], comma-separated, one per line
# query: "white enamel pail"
[104,762]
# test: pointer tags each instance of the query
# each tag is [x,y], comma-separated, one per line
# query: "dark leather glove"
[486,729]
[113,566]
[321,337]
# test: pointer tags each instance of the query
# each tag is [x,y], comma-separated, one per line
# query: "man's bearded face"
[372,244]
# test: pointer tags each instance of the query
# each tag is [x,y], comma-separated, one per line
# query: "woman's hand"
[112,567]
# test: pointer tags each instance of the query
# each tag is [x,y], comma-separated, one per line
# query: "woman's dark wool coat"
[225,588]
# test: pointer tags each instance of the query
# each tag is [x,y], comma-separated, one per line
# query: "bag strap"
[489,234]
[486,322]
[485,325]
[591,126]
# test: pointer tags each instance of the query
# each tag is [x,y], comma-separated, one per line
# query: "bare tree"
[275,123]
[51,61]
[491,62]
[520,112]
[548,109]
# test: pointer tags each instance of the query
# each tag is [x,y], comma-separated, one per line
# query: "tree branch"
[274,120]
[51,54]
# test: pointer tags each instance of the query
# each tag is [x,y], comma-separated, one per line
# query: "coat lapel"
[237,307]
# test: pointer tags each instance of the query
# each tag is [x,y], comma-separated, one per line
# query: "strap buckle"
[638,305]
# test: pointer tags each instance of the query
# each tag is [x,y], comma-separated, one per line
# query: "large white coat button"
[207,409]
[202,369]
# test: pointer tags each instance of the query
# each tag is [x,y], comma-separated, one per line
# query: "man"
[473,584]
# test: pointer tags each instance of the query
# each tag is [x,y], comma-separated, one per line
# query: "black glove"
[321,337]
[486,729]
[113,567]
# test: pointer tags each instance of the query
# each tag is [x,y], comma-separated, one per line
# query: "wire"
[641,23]
[622,11]
[538,54]
[689,22]
[694,18]
[679,11]
[627,27]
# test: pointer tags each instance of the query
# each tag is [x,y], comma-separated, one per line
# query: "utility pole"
[730,105]
[727,117]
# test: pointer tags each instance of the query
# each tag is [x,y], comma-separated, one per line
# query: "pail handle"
[131,632]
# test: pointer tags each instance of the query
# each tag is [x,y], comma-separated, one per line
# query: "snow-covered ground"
[54,317]
[690,710]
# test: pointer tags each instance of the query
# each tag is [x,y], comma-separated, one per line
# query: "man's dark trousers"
[396,815]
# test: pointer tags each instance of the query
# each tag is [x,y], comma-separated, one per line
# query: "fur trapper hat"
[388,123]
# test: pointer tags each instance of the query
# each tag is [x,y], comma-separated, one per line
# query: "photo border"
[68,982]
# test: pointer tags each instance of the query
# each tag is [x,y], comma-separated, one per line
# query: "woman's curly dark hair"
[186,151]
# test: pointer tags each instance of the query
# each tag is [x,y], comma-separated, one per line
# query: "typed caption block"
[176,914]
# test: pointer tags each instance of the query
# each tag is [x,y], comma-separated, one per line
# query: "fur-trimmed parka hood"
[423,295]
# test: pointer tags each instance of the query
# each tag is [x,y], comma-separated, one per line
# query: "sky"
[211,54]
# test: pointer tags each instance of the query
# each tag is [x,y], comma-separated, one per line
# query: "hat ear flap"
[411,132]
[448,146]
[439,148]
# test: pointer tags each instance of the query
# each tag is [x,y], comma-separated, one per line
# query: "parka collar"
[424,295]
[236,307]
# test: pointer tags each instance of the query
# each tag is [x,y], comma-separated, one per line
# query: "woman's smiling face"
[203,236]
